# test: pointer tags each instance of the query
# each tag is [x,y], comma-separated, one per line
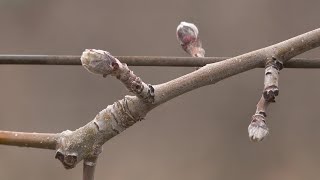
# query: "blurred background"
[200,135]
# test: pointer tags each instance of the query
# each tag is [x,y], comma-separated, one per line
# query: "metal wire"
[141,60]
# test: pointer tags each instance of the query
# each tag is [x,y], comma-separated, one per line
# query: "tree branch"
[142,61]
[124,113]
[24,139]
[89,166]
[213,73]
[86,142]
[258,128]
[103,63]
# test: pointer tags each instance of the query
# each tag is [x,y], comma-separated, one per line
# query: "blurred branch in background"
[142,60]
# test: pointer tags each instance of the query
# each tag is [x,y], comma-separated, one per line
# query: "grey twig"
[103,63]
[89,166]
[258,128]
[271,79]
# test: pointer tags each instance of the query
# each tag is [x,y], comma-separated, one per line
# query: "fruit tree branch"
[86,142]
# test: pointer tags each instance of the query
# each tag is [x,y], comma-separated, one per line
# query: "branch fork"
[86,142]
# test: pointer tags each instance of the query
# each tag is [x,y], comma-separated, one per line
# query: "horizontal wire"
[141,60]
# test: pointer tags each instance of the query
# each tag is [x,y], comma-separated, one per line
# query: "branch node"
[270,93]
[271,89]
[68,161]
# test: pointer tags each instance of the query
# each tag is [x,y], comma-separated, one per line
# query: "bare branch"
[89,166]
[24,139]
[86,142]
[271,79]
[143,61]
[213,73]
[102,62]
[258,128]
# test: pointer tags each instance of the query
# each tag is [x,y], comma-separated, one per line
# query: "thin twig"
[103,63]
[271,79]
[142,61]
[24,139]
[258,128]
[89,166]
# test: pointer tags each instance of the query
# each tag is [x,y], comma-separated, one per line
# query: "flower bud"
[258,128]
[187,35]
[99,61]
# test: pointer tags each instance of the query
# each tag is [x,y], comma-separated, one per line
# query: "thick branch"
[213,73]
[23,139]
[142,61]
[87,141]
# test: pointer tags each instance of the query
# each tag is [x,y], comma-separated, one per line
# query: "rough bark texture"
[87,141]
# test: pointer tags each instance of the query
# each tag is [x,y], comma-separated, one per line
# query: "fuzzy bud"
[258,128]
[99,62]
[188,37]
[186,33]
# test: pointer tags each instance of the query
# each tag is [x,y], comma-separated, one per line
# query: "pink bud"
[187,35]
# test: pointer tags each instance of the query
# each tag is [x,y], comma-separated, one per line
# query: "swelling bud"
[188,38]
[99,62]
